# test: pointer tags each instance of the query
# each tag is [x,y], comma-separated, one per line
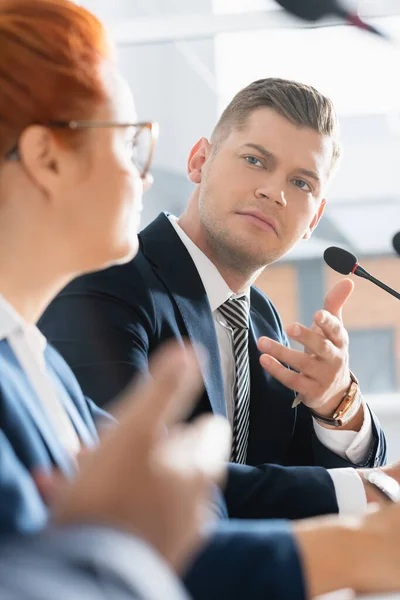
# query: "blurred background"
[185,59]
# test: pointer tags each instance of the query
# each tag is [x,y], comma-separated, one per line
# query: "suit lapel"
[177,271]
[33,408]
[67,389]
[85,436]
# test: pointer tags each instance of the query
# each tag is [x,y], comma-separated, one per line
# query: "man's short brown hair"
[301,104]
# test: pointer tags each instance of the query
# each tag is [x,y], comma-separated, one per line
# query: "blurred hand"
[153,483]
[321,373]
[378,548]
[361,552]
[51,485]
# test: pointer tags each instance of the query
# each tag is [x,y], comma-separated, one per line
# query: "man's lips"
[258,218]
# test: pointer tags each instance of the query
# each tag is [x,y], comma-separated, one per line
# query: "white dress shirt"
[353,445]
[28,345]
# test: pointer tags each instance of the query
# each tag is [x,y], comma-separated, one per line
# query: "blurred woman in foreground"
[74,163]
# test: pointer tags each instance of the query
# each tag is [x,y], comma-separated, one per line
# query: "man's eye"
[252,160]
[301,184]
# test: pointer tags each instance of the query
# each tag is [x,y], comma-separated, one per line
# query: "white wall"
[371,160]
[174,85]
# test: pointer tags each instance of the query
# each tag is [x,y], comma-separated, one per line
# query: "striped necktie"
[236,312]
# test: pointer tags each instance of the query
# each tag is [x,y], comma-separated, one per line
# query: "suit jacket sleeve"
[322,456]
[273,491]
[92,563]
[248,559]
[104,341]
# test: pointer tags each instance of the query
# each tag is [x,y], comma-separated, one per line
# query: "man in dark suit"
[259,188]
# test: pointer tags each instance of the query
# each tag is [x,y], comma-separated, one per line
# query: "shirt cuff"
[350,492]
[354,446]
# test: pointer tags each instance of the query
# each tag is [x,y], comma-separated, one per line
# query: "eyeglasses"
[142,141]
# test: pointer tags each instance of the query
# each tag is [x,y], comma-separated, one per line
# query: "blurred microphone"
[396,242]
[313,10]
[345,262]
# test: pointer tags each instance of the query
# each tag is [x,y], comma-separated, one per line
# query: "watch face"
[349,405]
[347,409]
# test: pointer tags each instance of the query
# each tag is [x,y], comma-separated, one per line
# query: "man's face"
[261,191]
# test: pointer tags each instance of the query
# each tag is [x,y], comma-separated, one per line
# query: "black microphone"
[396,242]
[345,262]
[313,10]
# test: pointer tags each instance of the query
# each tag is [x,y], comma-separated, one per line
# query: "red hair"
[50,54]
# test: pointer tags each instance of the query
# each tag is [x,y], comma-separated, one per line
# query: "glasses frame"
[75,125]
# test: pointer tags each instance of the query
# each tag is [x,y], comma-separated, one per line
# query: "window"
[373,359]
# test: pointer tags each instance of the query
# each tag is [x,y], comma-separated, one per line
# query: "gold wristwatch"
[347,409]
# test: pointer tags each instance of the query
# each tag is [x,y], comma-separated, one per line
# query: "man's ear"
[39,153]
[315,220]
[197,157]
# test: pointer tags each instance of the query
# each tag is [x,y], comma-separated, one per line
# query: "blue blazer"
[107,324]
[264,548]
[27,440]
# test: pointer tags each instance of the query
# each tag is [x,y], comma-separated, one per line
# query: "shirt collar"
[217,290]
[11,322]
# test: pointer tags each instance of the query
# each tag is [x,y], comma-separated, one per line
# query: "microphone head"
[310,10]
[340,260]
[313,10]
[396,242]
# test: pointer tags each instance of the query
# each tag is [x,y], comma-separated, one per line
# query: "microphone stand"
[361,272]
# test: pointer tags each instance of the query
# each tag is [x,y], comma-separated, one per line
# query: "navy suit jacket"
[265,549]
[107,324]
